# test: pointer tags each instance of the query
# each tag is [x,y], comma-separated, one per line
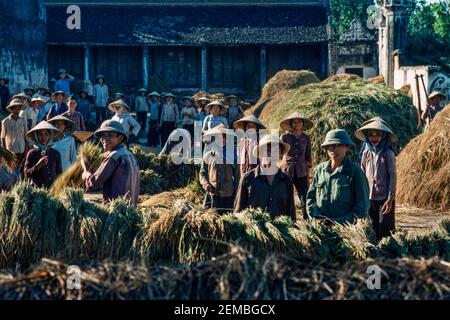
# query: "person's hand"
[387,207]
[85,175]
[42,162]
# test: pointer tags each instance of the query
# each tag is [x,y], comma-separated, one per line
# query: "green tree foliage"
[343,12]
[429,32]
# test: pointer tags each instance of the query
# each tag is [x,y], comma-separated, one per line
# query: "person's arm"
[308,156]
[241,200]
[204,177]
[95,181]
[58,163]
[177,116]
[135,125]
[73,151]
[361,195]
[311,198]
[3,134]
[33,164]
[162,115]
[70,77]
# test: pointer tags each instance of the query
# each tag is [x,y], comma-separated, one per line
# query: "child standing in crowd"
[297,162]
[378,164]
[66,145]
[267,187]
[155,115]
[201,112]
[141,108]
[14,129]
[30,114]
[234,111]
[169,117]
[246,159]
[122,115]
[59,106]
[75,116]
[118,175]
[63,83]
[215,118]
[339,190]
[219,174]
[101,97]
[83,106]
[188,114]
[43,164]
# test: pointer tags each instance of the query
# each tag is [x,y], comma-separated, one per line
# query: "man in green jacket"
[339,189]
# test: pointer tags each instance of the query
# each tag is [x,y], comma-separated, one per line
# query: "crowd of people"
[261,171]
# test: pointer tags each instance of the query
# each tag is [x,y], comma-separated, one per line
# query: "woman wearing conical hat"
[297,162]
[66,145]
[378,164]
[43,163]
[249,136]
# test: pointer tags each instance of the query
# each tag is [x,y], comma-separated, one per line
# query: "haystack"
[423,167]
[8,159]
[341,77]
[343,104]
[283,80]
[378,79]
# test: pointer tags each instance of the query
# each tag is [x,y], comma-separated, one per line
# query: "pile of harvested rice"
[378,79]
[277,85]
[341,77]
[8,159]
[344,104]
[221,97]
[423,167]
[235,275]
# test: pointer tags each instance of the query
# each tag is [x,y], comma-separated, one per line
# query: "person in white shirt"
[123,116]
[101,97]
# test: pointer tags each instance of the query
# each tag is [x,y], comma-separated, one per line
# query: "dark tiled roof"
[190,25]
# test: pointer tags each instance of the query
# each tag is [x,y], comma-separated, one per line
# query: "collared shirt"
[83,106]
[117,176]
[57,109]
[141,104]
[341,195]
[101,95]
[67,150]
[246,158]
[13,131]
[234,113]
[30,115]
[188,114]
[298,159]
[213,121]
[222,176]
[380,170]
[63,85]
[254,191]
[169,113]
[46,175]
[128,122]
[155,110]
[76,117]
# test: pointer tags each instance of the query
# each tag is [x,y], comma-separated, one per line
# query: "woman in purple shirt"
[378,164]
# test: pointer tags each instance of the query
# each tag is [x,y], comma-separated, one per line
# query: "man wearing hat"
[141,108]
[59,105]
[297,162]
[339,190]
[267,187]
[219,174]
[378,164]
[118,175]
[42,163]
[66,145]
[14,129]
[155,116]
[247,130]
[101,97]
[201,112]
[234,111]
[4,93]
[434,106]
[169,117]
[123,116]
[63,83]
[215,108]
[30,113]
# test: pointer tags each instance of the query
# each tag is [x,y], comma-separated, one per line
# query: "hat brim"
[240,124]
[285,147]
[98,132]
[110,107]
[23,106]
[334,142]
[360,134]
[222,107]
[69,124]
[30,134]
[286,124]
